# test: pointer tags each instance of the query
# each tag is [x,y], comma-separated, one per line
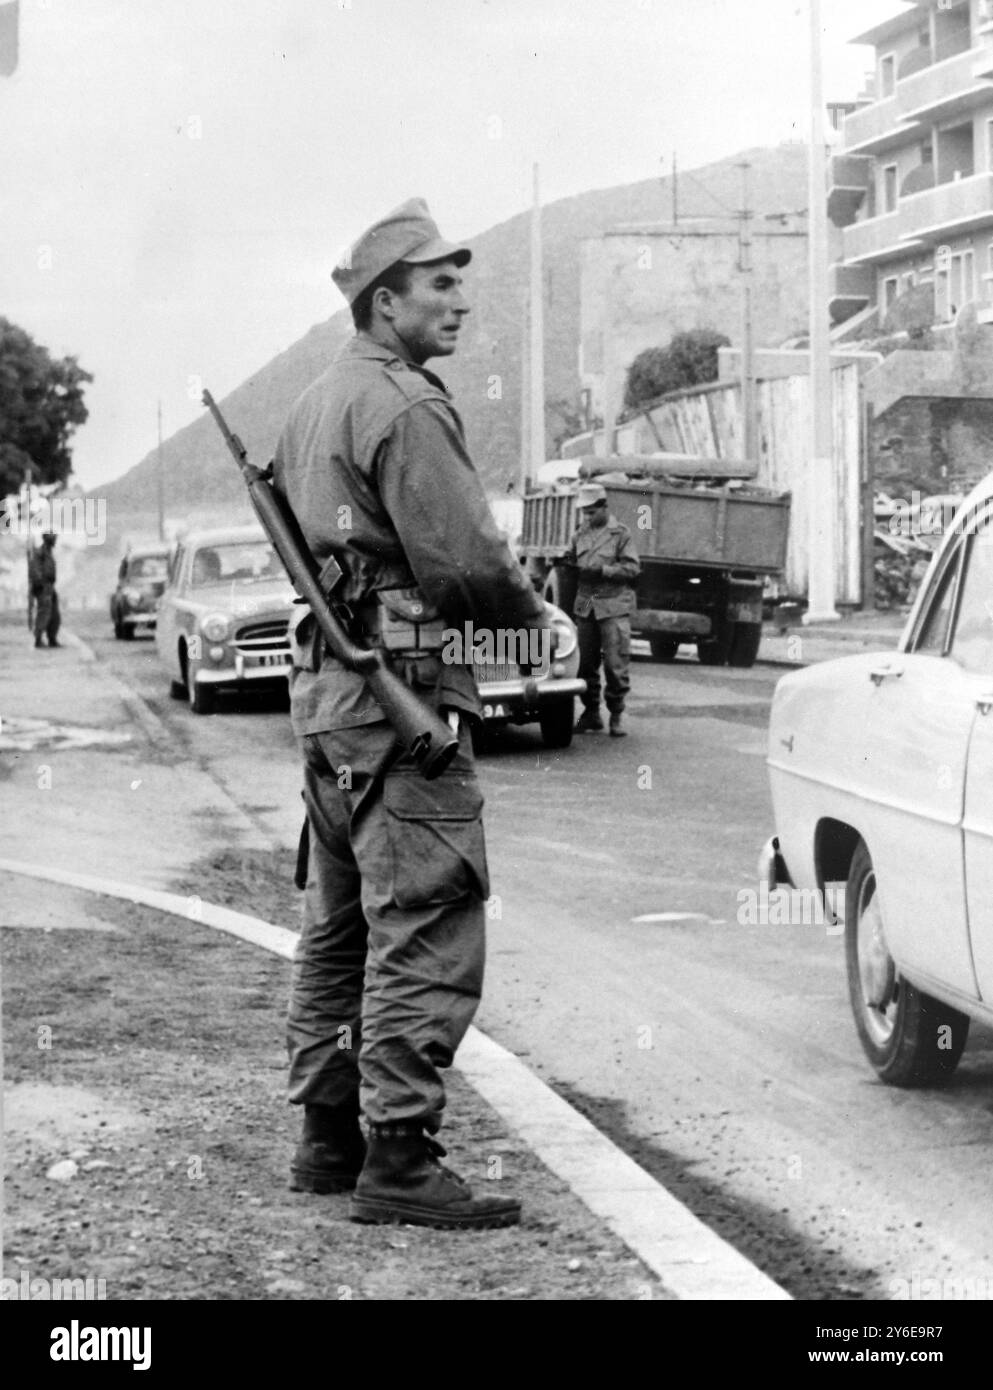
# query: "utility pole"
[821,586]
[750,442]
[161,482]
[537,355]
[525,393]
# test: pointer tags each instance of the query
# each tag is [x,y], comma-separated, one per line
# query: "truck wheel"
[745,642]
[910,1038]
[119,630]
[715,649]
[556,722]
[663,648]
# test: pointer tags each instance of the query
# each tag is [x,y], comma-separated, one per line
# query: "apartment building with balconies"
[911,180]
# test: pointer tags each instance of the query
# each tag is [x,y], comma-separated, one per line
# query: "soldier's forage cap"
[408,233]
[589,495]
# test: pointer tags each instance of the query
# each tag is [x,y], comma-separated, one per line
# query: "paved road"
[720,1053]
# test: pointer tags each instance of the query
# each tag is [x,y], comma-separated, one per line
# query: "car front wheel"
[202,697]
[910,1038]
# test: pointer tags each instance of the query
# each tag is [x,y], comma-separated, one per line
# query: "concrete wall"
[640,287]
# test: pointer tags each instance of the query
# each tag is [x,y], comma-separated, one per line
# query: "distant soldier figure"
[41,575]
[603,554]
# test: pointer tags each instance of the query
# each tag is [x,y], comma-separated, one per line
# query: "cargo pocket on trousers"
[436,838]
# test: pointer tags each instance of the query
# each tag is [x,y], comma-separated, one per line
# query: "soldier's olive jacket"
[42,571]
[374,465]
[610,546]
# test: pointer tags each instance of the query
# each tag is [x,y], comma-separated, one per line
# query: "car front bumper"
[260,666]
[520,700]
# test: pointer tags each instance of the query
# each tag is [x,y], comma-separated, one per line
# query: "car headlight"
[563,638]
[133,595]
[215,627]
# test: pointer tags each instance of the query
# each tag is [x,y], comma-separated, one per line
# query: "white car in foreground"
[881,769]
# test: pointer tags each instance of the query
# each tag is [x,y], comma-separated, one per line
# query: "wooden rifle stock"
[426,737]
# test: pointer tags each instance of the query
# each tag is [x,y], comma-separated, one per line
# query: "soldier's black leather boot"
[331,1151]
[403,1181]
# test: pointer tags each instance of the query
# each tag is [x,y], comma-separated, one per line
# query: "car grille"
[507,671]
[497,671]
[254,636]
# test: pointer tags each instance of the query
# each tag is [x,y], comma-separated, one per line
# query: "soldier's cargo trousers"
[388,971]
[47,617]
[607,640]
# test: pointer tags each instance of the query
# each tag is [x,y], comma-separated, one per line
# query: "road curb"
[691,1260]
[143,715]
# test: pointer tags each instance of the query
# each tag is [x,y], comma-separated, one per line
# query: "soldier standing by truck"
[603,555]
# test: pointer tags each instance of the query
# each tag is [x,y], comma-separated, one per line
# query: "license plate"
[494,712]
[269,659]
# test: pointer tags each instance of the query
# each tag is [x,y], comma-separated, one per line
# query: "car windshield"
[244,562]
[148,567]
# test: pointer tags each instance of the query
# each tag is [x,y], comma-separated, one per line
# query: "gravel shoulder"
[148,1134]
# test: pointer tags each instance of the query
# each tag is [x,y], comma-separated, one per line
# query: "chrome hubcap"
[877,973]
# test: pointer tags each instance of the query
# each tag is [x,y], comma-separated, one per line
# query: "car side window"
[972,640]
[933,631]
[122,573]
[175,565]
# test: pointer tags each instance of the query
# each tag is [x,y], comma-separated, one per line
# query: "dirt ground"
[144,1055]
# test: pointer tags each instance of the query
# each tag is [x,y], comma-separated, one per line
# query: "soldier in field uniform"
[603,555]
[389,968]
[41,577]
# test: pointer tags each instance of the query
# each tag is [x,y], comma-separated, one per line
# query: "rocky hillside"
[202,479]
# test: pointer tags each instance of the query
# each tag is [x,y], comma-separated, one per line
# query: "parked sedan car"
[141,579]
[882,769]
[543,692]
[223,619]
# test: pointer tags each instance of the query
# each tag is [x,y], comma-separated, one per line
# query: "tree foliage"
[689,360]
[41,404]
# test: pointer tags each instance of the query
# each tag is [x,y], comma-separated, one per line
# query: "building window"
[891,289]
[889,188]
[887,75]
[927,150]
[989,144]
[955,283]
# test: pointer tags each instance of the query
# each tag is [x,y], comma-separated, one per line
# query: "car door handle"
[984,703]
[880,673]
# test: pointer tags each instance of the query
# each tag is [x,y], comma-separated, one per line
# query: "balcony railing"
[874,127]
[850,288]
[874,239]
[849,177]
[946,85]
[922,219]
[950,207]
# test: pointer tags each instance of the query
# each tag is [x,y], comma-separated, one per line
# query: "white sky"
[177,177]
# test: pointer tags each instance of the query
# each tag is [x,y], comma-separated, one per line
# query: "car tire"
[910,1038]
[127,632]
[663,648]
[177,690]
[118,625]
[202,698]
[746,639]
[556,721]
